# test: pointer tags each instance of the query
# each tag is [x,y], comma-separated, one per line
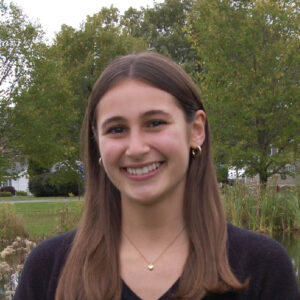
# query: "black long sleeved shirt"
[251,255]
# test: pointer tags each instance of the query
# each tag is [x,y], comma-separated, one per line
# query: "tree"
[131,22]
[163,28]
[19,45]
[249,57]
[48,115]
[43,115]
[19,41]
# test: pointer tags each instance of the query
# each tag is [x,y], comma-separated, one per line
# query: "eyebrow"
[113,119]
[146,114]
[155,112]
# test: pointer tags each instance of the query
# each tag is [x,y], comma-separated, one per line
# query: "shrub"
[69,218]
[49,189]
[64,189]
[40,186]
[11,225]
[10,189]
[5,194]
[43,185]
[21,193]
[35,185]
[222,173]
[262,209]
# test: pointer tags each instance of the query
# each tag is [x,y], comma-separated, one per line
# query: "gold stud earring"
[100,161]
[196,151]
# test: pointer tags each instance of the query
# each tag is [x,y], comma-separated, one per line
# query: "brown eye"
[156,123]
[115,130]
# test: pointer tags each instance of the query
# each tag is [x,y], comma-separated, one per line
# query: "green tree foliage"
[49,114]
[19,46]
[163,28]
[19,40]
[131,21]
[44,117]
[249,59]
[44,185]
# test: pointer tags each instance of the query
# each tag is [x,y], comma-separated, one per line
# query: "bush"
[11,225]
[262,208]
[69,218]
[41,185]
[21,193]
[222,173]
[5,194]
[64,189]
[10,189]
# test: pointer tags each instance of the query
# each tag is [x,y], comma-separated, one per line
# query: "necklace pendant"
[150,267]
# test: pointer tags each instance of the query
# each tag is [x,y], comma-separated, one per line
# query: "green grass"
[44,219]
[11,224]
[261,209]
[248,207]
[22,198]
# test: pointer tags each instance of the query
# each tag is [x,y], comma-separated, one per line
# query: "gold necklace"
[150,265]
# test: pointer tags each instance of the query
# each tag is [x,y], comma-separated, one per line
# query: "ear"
[198,129]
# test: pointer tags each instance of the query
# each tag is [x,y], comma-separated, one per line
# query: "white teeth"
[144,170]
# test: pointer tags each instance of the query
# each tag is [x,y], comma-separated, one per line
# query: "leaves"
[49,113]
[18,41]
[249,58]
[19,44]
[244,55]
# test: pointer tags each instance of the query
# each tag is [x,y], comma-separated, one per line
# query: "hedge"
[41,186]
[5,194]
[10,189]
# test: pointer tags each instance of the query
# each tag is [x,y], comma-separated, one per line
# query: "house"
[21,183]
[282,180]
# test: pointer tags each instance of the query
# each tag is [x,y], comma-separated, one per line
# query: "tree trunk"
[263,177]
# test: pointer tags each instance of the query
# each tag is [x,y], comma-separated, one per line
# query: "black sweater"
[251,255]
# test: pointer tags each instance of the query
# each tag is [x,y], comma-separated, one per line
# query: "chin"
[142,199]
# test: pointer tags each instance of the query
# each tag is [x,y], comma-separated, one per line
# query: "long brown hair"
[92,267]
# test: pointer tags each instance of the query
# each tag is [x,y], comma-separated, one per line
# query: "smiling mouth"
[144,170]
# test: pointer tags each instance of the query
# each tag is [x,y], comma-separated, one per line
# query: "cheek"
[110,150]
[174,141]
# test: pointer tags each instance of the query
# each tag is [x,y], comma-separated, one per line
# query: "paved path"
[39,201]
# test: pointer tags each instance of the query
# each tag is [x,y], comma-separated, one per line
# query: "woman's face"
[145,141]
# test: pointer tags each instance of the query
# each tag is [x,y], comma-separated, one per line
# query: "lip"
[136,166]
[143,176]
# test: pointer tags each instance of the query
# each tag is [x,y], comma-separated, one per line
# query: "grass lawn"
[22,198]
[44,219]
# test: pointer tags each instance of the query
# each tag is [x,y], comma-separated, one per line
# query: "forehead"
[130,97]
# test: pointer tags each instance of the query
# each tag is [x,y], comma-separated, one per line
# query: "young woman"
[153,225]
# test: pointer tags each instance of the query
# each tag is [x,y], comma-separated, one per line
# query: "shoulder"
[264,262]
[54,246]
[254,250]
[50,251]
[43,266]
[249,243]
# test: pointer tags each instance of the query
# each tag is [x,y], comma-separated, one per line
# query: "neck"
[153,222]
[153,234]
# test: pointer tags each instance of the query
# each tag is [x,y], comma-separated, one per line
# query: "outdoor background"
[243,55]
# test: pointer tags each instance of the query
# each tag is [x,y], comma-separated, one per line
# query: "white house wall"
[21,184]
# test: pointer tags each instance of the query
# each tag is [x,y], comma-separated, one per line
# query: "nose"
[137,145]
